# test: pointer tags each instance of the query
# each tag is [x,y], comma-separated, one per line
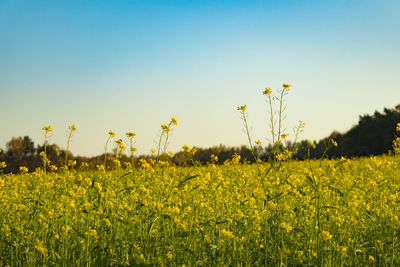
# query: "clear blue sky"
[131,65]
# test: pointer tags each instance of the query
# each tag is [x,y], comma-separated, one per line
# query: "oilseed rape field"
[338,213]
[280,212]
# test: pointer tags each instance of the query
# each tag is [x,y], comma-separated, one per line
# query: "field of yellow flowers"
[284,212]
[330,212]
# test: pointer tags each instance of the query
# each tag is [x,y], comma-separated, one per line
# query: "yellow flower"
[130,134]
[284,136]
[227,233]
[242,108]
[2,165]
[288,228]
[371,258]
[332,142]
[72,127]
[107,222]
[258,142]
[186,148]
[311,144]
[267,91]
[133,149]
[165,128]
[111,133]
[41,248]
[326,235]
[53,168]
[100,167]
[171,153]
[280,157]
[47,128]
[153,151]
[174,121]
[23,169]
[397,129]
[170,255]
[214,158]
[287,85]
[143,163]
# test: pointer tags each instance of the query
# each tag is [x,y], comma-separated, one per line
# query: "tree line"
[373,135]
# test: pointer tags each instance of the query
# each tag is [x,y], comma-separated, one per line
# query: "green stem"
[66,152]
[255,156]
[159,146]
[105,152]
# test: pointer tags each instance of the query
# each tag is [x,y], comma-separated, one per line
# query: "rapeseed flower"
[242,108]
[214,158]
[311,144]
[41,248]
[165,128]
[267,91]
[287,85]
[174,121]
[48,128]
[23,169]
[326,235]
[186,148]
[130,134]
[333,142]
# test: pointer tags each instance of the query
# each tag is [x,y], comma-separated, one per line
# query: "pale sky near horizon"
[132,65]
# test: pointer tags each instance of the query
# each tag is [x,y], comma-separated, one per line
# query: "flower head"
[130,134]
[267,91]
[165,128]
[284,136]
[326,235]
[287,85]
[398,127]
[111,133]
[332,142]
[72,127]
[23,169]
[214,158]
[47,128]
[174,121]
[186,148]
[311,144]
[242,108]
[258,142]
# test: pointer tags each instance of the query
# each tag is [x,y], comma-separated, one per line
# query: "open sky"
[131,65]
